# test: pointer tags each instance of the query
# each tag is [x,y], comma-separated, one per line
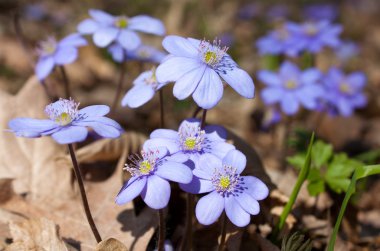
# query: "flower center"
[311,29]
[47,47]
[226,181]
[211,54]
[152,80]
[282,34]
[121,22]
[144,164]
[191,138]
[345,88]
[290,84]
[63,111]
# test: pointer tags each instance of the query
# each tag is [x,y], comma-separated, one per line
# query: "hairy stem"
[119,88]
[66,82]
[161,230]
[223,233]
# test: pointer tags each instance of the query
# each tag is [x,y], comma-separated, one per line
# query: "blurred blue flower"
[67,124]
[278,12]
[344,93]
[122,29]
[321,11]
[291,87]
[36,11]
[53,53]
[150,174]
[143,90]
[228,191]
[196,67]
[347,50]
[143,53]
[249,11]
[271,117]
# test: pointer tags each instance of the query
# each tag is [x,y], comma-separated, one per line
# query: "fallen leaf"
[111,244]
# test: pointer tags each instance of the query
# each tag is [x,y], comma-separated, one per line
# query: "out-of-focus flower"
[228,190]
[344,93]
[291,87]
[67,124]
[271,117]
[52,53]
[196,68]
[150,174]
[249,11]
[347,50]
[35,11]
[143,53]
[122,29]
[278,12]
[143,90]
[321,11]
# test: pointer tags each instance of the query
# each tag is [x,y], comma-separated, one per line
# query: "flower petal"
[94,111]
[101,17]
[215,133]
[74,40]
[104,36]
[272,95]
[138,96]
[147,24]
[289,104]
[175,171]
[208,163]
[209,91]
[209,208]
[65,55]
[186,85]
[255,187]
[117,52]
[197,186]
[164,133]
[173,68]
[70,134]
[236,213]
[310,76]
[269,78]
[44,67]
[236,159]
[131,190]
[31,128]
[180,46]
[129,40]
[156,193]
[170,144]
[87,26]
[249,204]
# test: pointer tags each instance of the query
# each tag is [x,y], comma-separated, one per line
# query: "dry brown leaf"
[35,234]
[31,162]
[111,244]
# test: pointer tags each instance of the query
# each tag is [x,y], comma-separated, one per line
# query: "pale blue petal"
[173,68]
[141,79]
[102,120]
[208,164]
[255,187]
[94,111]
[164,133]
[171,145]
[237,215]
[269,78]
[44,67]
[129,40]
[147,24]
[179,157]
[249,204]
[104,36]
[104,130]
[156,193]
[117,52]
[31,128]
[197,186]
[87,26]
[70,134]
[131,190]
[138,96]
[101,17]
[289,70]
[186,85]
[215,133]
[240,81]
[344,107]
[272,95]
[235,159]
[220,149]
[310,76]
[180,46]
[175,171]
[289,104]
[357,80]
[65,55]
[209,208]
[74,40]
[209,91]
[159,151]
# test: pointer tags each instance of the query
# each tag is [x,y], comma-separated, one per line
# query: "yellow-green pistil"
[345,88]
[190,143]
[122,22]
[145,167]
[291,84]
[224,182]
[210,57]
[63,119]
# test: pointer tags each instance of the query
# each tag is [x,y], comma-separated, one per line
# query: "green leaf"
[297,160]
[322,152]
[365,171]
[338,185]
[369,157]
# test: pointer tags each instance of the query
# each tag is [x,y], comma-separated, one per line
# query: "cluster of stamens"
[211,54]
[311,29]
[227,181]
[121,22]
[191,138]
[47,47]
[282,33]
[152,80]
[291,84]
[143,164]
[345,88]
[63,111]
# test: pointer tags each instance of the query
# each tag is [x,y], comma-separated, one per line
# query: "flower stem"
[203,121]
[162,114]
[223,233]
[195,113]
[78,175]
[187,242]
[161,230]
[47,92]
[123,67]
[65,81]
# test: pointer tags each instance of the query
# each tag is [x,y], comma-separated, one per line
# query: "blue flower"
[314,36]
[122,29]
[347,50]
[150,175]
[52,53]
[145,86]
[67,124]
[321,11]
[344,93]
[271,117]
[291,87]
[196,67]
[228,190]
[143,53]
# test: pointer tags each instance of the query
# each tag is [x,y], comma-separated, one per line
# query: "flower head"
[150,174]
[121,29]
[197,66]
[291,87]
[53,53]
[344,93]
[67,124]
[228,189]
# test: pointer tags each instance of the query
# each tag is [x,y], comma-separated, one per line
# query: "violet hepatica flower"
[347,50]
[344,93]
[143,90]
[228,190]
[321,11]
[67,124]
[52,53]
[291,87]
[122,29]
[196,67]
[150,174]
[143,53]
